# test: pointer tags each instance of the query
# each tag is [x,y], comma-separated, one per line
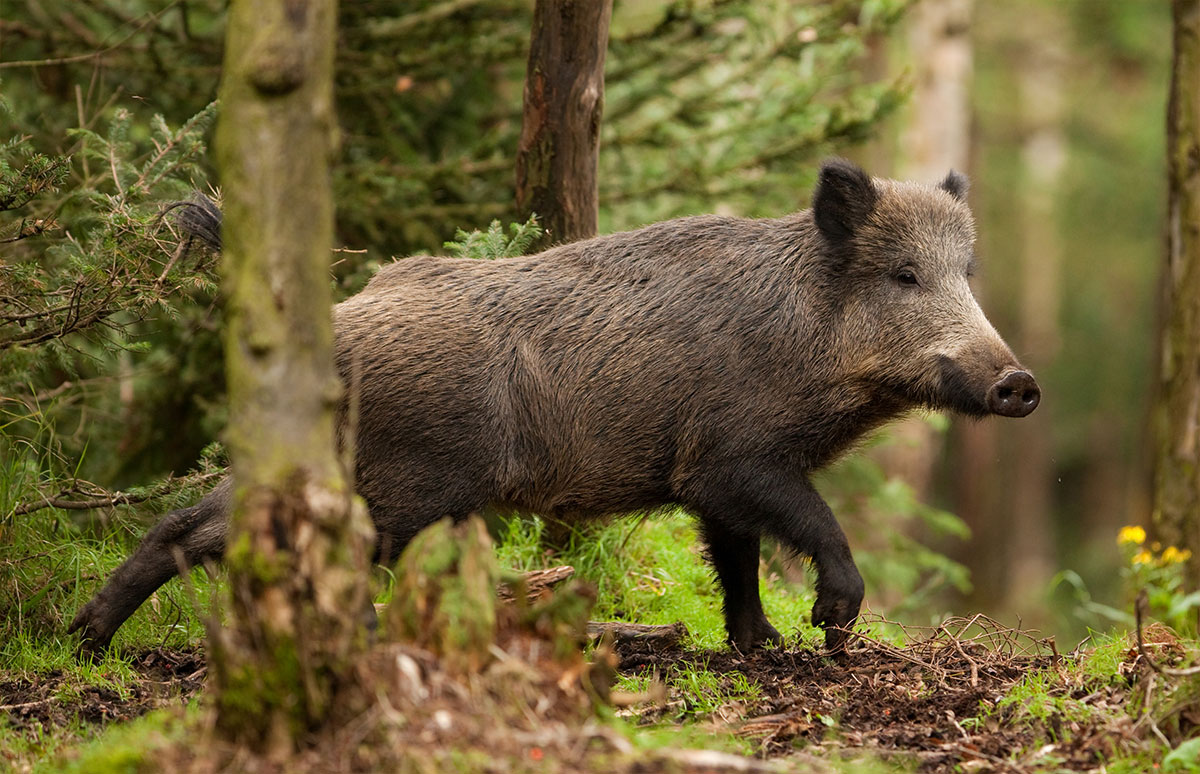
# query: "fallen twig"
[109,499]
[28,704]
[895,652]
[974,667]
[713,761]
[535,582]
[661,636]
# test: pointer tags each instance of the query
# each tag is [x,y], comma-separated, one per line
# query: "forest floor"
[969,695]
[163,677]
[942,703]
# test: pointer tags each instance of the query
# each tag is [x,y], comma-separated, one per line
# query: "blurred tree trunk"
[560,131]
[299,540]
[1176,512]
[936,135]
[1028,512]
[935,139]
[973,487]
[1004,471]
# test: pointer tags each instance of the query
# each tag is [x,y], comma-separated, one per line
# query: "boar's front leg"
[811,529]
[735,557]
[196,533]
[748,497]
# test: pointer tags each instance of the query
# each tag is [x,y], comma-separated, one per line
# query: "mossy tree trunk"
[1177,417]
[299,540]
[560,130]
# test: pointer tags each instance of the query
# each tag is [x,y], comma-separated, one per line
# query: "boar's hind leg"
[755,496]
[197,533]
[735,558]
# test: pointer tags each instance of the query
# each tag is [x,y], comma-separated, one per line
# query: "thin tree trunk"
[937,134]
[298,544]
[1176,511]
[1029,511]
[560,132]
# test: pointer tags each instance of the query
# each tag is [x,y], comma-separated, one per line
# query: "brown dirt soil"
[165,677]
[933,700]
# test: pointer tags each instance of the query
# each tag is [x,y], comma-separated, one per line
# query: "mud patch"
[164,677]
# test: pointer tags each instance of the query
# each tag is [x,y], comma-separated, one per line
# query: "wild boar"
[707,362]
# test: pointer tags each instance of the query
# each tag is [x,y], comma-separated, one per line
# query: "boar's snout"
[1016,395]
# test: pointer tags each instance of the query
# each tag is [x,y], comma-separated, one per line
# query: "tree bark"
[560,131]
[299,540]
[1176,513]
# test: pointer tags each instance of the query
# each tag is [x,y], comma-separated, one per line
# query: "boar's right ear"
[956,185]
[844,197]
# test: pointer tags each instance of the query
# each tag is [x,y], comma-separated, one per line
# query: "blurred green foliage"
[1150,570]
[891,530]
[90,267]
[1097,366]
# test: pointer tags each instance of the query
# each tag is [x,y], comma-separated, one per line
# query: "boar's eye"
[906,277]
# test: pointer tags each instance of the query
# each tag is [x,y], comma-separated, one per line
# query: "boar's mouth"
[960,392]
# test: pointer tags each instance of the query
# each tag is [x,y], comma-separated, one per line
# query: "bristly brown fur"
[710,362]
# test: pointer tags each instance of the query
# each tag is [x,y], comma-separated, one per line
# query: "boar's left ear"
[956,184]
[844,197]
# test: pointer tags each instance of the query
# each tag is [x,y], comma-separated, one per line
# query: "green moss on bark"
[299,542]
[445,597]
[1176,512]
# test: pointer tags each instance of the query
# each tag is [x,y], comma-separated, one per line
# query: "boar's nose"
[1016,395]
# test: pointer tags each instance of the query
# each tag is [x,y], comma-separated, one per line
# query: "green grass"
[699,691]
[1036,699]
[126,748]
[52,561]
[648,571]
[1049,701]
[23,750]
[1054,692]
[697,736]
[1040,701]
[652,571]
[51,564]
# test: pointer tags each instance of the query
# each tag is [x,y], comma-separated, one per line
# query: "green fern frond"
[493,243]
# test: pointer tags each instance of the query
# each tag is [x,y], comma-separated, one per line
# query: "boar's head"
[899,257]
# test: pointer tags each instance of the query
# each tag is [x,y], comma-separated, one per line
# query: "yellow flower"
[1135,535]
[1172,555]
[1143,557]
